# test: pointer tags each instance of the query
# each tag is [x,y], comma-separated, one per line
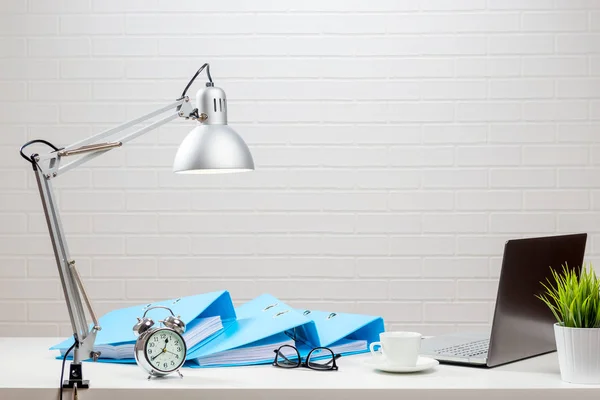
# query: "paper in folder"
[259,330]
[343,333]
[203,315]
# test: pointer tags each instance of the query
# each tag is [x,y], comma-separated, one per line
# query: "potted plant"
[574,299]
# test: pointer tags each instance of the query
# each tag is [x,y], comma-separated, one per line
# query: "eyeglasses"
[319,358]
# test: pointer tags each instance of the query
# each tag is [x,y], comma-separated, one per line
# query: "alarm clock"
[160,350]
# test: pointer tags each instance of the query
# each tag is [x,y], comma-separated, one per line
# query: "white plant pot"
[578,354]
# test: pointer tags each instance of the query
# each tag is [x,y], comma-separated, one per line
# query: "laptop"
[523,325]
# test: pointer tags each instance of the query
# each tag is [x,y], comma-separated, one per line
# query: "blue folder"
[330,328]
[261,321]
[117,325]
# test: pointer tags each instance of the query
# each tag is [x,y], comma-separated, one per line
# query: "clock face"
[165,350]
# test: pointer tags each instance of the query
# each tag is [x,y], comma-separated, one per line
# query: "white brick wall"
[398,144]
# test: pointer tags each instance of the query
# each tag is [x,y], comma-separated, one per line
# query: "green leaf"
[573,296]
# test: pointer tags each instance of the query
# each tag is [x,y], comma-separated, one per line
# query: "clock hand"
[164,350]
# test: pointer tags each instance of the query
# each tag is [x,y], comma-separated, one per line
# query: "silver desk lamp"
[211,147]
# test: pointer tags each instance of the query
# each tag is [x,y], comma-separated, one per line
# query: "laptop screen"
[523,324]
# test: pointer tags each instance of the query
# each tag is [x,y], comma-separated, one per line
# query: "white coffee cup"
[398,348]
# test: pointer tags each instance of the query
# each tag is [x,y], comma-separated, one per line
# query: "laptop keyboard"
[472,349]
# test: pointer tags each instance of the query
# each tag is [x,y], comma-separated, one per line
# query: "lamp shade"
[213,149]
[213,146]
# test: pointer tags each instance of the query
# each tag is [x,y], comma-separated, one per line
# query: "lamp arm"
[101,148]
[51,162]
[46,167]
[75,295]
[125,125]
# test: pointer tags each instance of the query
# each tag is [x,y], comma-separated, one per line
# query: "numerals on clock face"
[165,350]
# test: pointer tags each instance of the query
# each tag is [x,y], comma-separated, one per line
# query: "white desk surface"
[28,370]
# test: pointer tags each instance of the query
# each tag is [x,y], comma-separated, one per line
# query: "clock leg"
[149,377]
[180,375]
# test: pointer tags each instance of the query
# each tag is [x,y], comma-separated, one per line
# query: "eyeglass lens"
[287,357]
[320,358]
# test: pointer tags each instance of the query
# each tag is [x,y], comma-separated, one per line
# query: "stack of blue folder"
[220,335]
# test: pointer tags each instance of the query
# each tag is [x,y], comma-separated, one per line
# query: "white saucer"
[381,364]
